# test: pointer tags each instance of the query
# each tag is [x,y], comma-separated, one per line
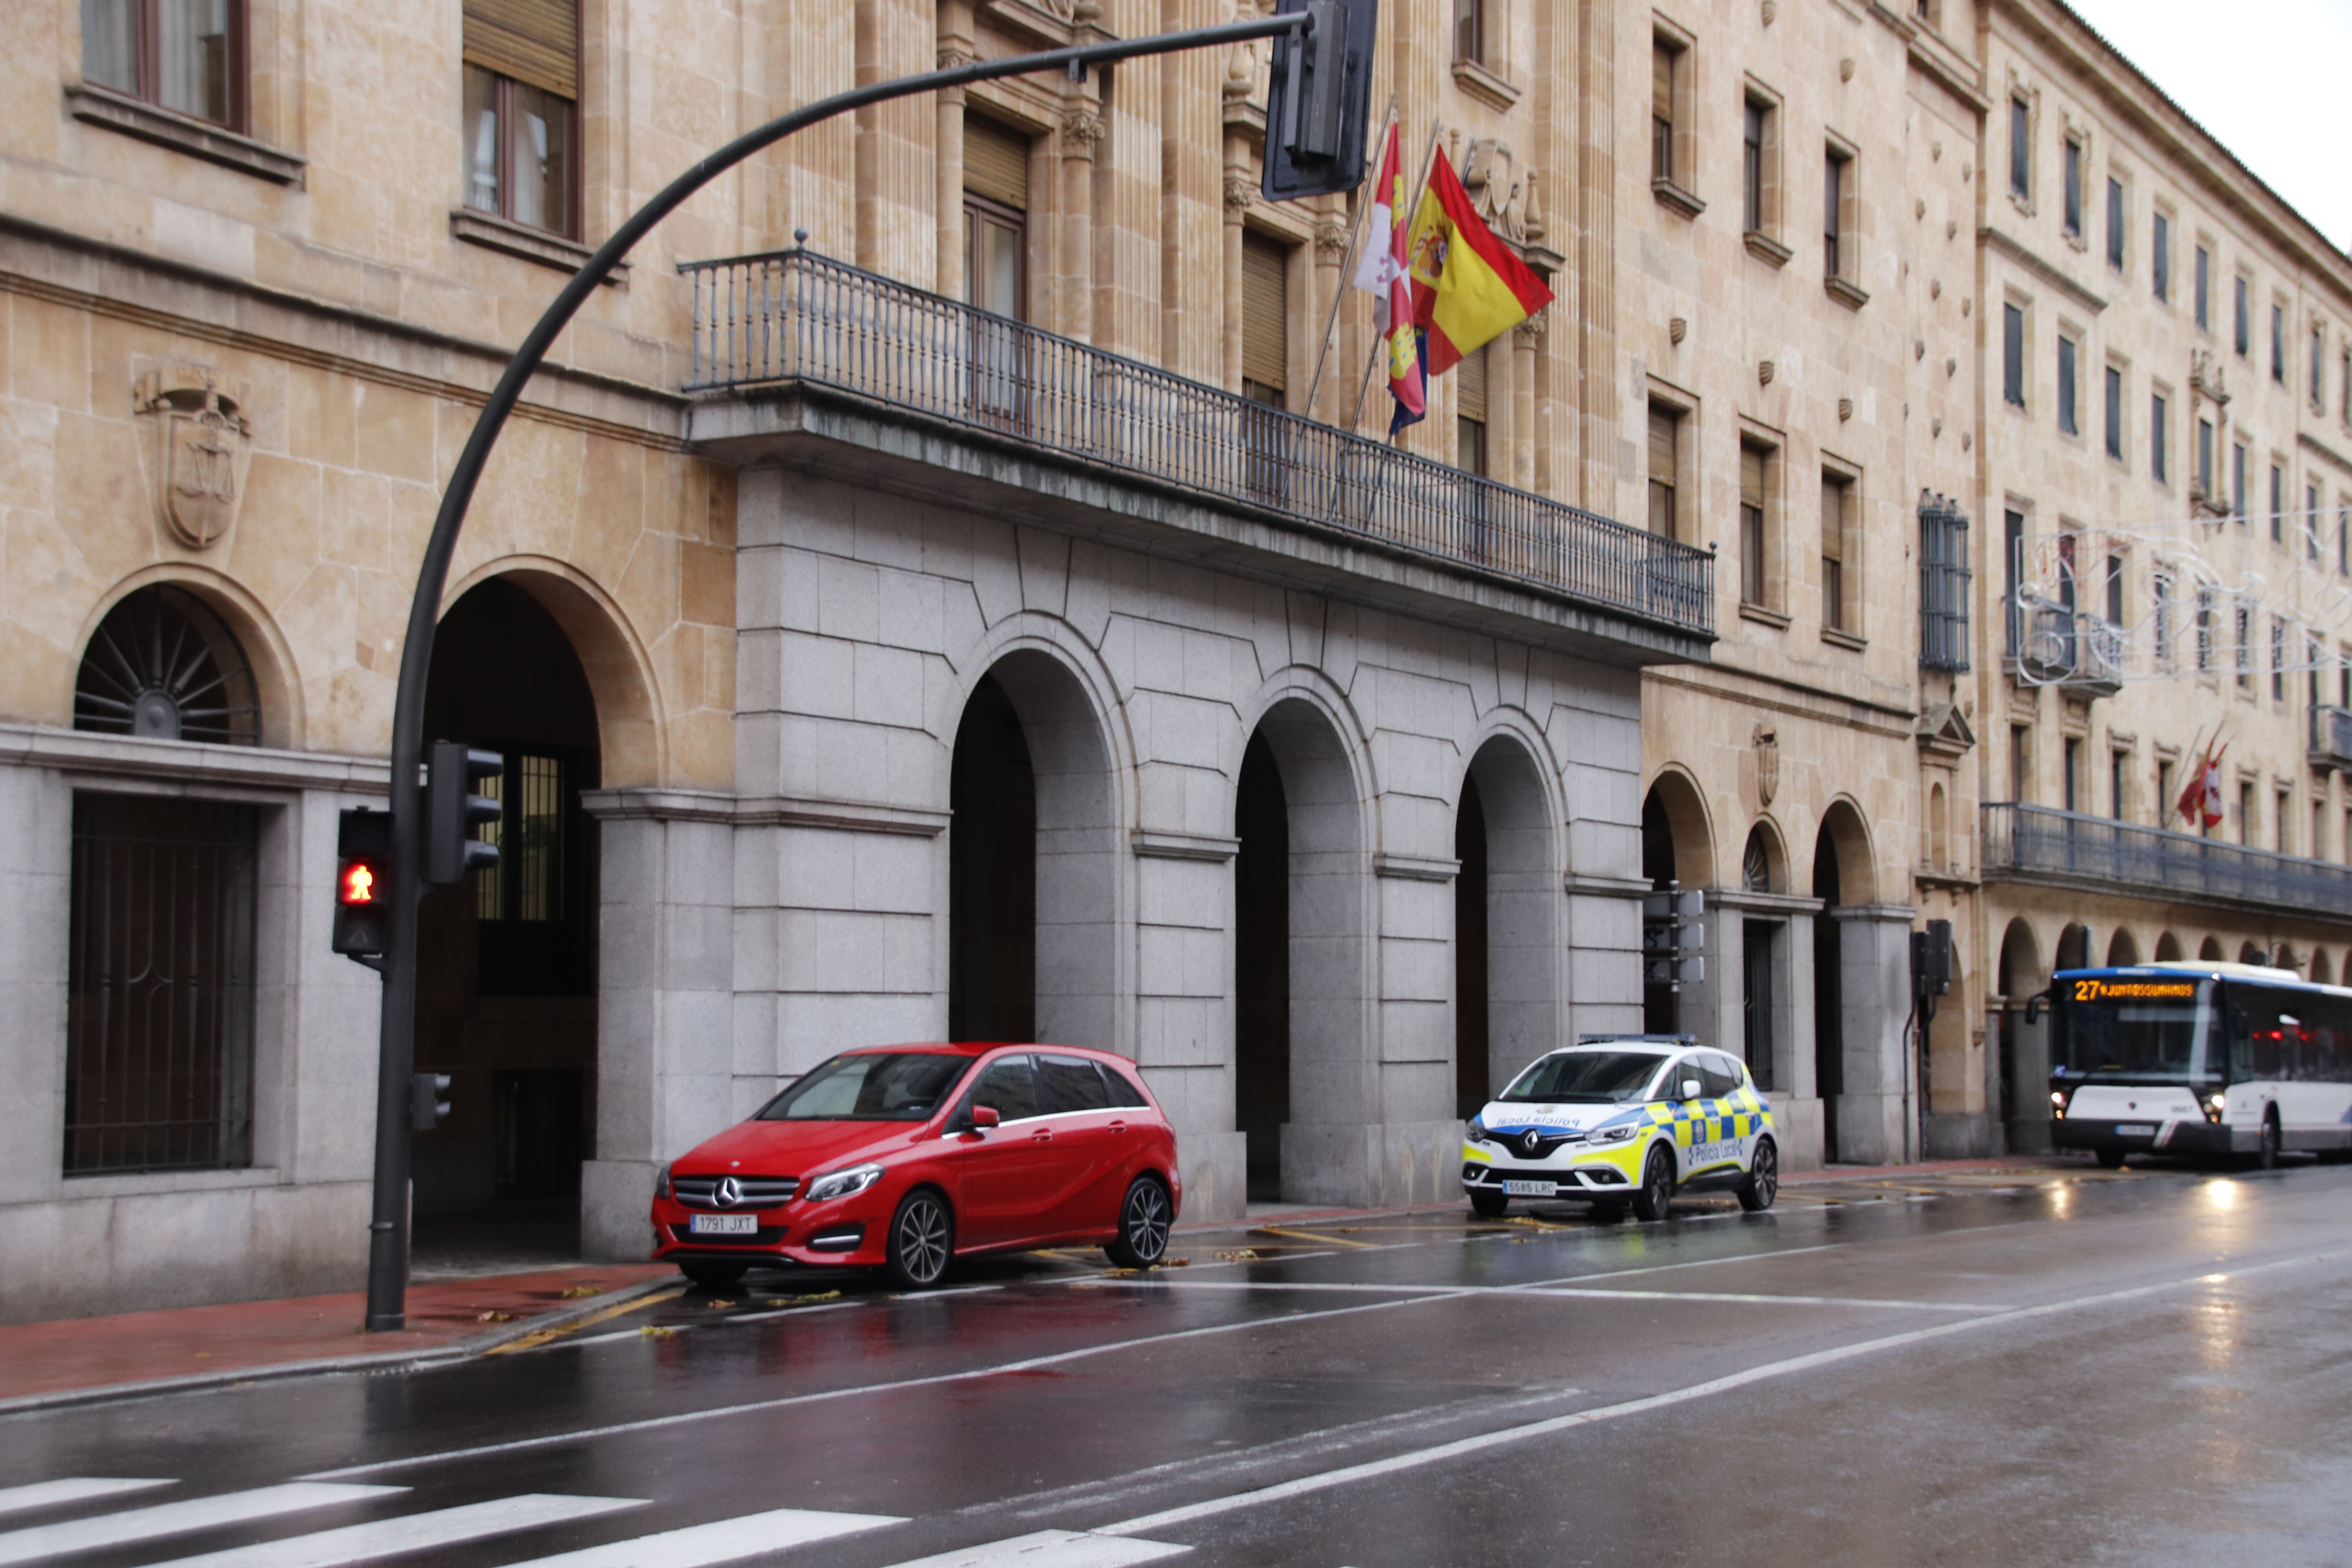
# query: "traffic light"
[427,1109]
[1672,935]
[364,883]
[452,810]
[1318,105]
[1931,965]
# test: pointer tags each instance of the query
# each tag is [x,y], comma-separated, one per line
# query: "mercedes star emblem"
[728,1193]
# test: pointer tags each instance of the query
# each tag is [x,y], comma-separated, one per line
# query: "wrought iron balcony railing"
[2150,862]
[2072,648]
[794,316]
[2331,736]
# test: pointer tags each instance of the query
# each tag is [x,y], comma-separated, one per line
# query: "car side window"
[1073,1084]
[1719,1075]
[1009,1086]
[1669,1087]
[1124,1095]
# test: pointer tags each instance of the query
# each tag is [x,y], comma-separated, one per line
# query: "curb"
[467,1349]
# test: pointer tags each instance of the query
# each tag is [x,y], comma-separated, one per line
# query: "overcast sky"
[2268,77]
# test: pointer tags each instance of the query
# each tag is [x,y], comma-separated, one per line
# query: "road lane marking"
[1709,1262]
[722,1541]
[687,1417]
[1053,1549]
[533,1340]
[411,1532]
[178,1517]
[1310,1236]
[70,1488]
[1461,1448]
[1279,1287]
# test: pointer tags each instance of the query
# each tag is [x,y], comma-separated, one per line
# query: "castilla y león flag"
[1467,288]
[1382,274]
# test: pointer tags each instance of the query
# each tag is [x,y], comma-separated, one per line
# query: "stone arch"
[2123,949]
[632,737]
[2210,949]
[1306,1085]
[1846,830]
[1034,938]
[2074,948]
[2283,956]
[277,683]
[2167,947]
[2321,974]
[1675,815]
[2249,954]
[2020,1059]
[1507,918]
[1764,859]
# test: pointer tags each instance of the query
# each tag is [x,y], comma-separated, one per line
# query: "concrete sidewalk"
[76,1359]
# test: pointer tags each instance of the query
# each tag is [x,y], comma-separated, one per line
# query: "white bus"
[2199,1058]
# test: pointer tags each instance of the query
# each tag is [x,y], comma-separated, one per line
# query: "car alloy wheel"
[923,1239]
[1763,1183]
[1143,1219]
[1657,1193]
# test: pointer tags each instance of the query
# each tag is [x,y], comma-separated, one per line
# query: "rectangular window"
[2155,438]
[1470,31]
[1945,586]
[2021,148]
[2319,368]
[2278,503]
[2278,344]
[2161,264]
[186,56]
[2278,659]
[1470,412]
[2115,412]
[1266,319]
[2344,548]
[2012,356]
[1835,182]
[1837,502]
[2204,630]
[2013,562]
[2160,616]
[1665,469]
[2245,319]
[2241,644]
[1755,474]
[2281,817]
[2311,522]
[1752,212]
[2115,222]
[2119,772]
[160,985]
[2021,763]
[2238,482]
[2067,422]
[1663,61]
[2070,762]
[520,133]
[2205,463]
[2072,212]
[2204,289]
[2114,605]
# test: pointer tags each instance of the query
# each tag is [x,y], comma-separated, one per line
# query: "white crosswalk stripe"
[1053,1549]
[69,1488]
[724,1540]
[179,1517]
[411,1532]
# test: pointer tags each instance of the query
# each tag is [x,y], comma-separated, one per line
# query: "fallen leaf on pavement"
[494,1317]
[581,1293]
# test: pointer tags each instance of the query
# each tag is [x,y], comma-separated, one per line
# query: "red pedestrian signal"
[364,884]
[359,883]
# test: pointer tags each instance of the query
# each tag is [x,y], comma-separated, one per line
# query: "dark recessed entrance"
[507,961]
[1471,960]
[1262,967]
[992,874]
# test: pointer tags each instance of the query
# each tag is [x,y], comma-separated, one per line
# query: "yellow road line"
[1314,1236]
[533,1342]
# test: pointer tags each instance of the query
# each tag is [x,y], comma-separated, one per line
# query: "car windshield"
[879,1086]
[1586,1078]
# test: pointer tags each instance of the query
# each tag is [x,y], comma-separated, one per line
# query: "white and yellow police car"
[1623,1121]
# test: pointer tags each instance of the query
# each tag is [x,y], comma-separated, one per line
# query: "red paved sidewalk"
[201,1341]
[2020,1163]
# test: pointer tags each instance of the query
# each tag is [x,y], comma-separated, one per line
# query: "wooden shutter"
[1751,477]
[1833,518]
[996,162]
[1664,429]
[1266,310]
[533,41]
[1470,387]
[1661,83]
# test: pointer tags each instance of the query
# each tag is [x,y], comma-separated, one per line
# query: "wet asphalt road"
[2041,1367]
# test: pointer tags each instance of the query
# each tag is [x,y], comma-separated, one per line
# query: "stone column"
[1875,975]
[1420,1139]
[1598,425]
[1331,235]
[1081,129]
[948,165]
[665,975]
[1184,1007]
[1240,191]
[1525,338]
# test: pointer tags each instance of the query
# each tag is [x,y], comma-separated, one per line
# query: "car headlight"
[842,1183]
[661,1184]
[1475,1130]
[1614,1135]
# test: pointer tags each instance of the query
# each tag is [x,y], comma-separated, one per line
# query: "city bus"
[2199,1058]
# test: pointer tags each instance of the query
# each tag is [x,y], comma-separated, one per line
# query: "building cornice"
[189,763]
[2009,245]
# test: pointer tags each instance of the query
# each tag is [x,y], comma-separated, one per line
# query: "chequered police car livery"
[1603,1153]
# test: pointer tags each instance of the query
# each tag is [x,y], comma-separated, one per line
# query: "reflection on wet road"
[2002,1368]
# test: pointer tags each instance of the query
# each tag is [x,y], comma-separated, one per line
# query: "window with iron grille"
[159,1005]
[534,910]
[1944,585]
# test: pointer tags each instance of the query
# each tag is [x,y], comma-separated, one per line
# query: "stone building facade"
[869,667]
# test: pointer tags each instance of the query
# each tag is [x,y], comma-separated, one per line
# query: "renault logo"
[728,1193]
[1532,1141]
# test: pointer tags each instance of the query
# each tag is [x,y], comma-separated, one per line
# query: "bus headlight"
[2058,1104]
[2214,1105]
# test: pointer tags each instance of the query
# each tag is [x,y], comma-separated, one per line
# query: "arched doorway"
[2210,949]
[2123,950]
[2167,949]
[507,959]
[1676,851]
[2321,974]
[2074,948]
[1032,876]
[1829,992]
[1506,974]
[2249,954]
[1302,1089]
[2021,1056]
[1763,868]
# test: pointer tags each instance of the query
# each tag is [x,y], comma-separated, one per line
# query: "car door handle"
[1042,1135]
[1119,1126]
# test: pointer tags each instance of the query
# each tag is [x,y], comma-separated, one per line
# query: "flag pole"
[1428,156]
[1339,293]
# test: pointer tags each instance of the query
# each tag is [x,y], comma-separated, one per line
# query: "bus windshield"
[2130,1029]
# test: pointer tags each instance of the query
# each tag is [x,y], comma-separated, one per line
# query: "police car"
[1623,1121]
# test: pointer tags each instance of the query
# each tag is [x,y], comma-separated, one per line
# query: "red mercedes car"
[907,1157]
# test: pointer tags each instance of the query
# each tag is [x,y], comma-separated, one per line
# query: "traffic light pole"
[388,1229]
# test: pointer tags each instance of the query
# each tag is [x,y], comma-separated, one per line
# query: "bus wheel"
[2266,1153]
[2113,1159]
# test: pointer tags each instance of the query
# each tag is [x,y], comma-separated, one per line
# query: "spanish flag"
[1467,288]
